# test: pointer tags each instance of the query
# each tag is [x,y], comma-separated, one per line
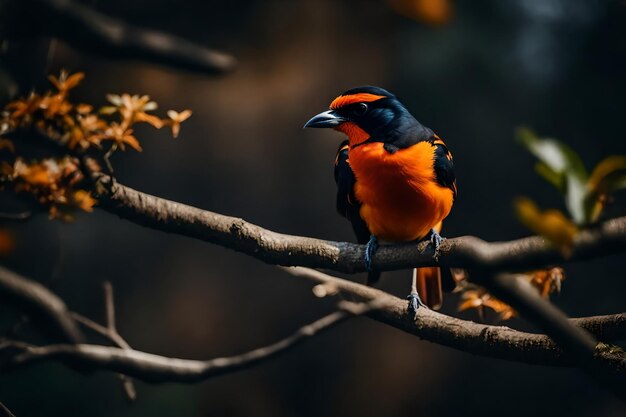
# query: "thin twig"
[16,217]
[154,368]
[5,412]
[127,383]
[115,338]
[109,305]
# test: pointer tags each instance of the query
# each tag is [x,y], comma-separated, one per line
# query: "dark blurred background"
[472,71]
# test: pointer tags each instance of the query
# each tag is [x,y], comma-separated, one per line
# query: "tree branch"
[35,298]
[16,217]
[276,248]
[5,412]
[154,368]
[576,343]
[484,259]
[90,30]
[113,334]
[492,341]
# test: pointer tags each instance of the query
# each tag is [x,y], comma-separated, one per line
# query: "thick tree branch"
[281,249]
[90,30]
[610,327]
[480,339]
[475,254]
[484,259]
[154,368]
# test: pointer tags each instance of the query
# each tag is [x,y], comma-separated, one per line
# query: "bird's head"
[364,113]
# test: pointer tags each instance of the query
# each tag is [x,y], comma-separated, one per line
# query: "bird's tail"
[429,286]
[428,282]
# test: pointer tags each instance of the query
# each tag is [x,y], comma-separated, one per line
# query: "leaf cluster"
[585,195]
[57,180]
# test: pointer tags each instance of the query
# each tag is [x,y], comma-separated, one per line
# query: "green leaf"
[556,155]
[563,168]
[554,178]
[575,197]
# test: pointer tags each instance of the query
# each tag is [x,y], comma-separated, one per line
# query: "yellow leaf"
[471,303]
[607,173]
[35,174]
[66,82]
[73,80]
[480,299]
[149,118]
[179,117]
[132,142]
[547,281]
[108,110]
[24,107]
[83,108]
[83,200]
[551,224]
[176,119]
[504,310]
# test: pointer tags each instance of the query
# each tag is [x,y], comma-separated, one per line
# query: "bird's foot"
[370,250]
[414,303]
[436,240]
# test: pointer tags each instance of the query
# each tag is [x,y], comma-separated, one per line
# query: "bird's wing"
[347,204]
[444,165]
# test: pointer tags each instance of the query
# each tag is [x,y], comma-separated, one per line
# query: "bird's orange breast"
[400,197]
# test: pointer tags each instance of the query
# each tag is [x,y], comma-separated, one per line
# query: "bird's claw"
[370,250]
[436,240]
[414,303]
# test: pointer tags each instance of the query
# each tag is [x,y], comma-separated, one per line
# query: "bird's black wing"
[444,165]
[347,204]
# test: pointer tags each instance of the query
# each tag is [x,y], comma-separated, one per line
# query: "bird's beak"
[328,118]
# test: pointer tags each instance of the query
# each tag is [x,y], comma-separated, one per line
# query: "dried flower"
[66,82]
[545,281]
[480,299]
[56,182]
[176,119]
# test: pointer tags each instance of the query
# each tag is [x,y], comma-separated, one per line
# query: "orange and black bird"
[395,178]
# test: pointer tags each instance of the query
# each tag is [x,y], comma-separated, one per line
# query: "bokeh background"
[472,71]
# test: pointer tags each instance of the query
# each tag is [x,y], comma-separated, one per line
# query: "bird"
[395,179]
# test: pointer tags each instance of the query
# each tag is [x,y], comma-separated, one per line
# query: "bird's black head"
[371,113]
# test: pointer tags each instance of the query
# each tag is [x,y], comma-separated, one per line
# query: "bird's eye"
[360,109]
